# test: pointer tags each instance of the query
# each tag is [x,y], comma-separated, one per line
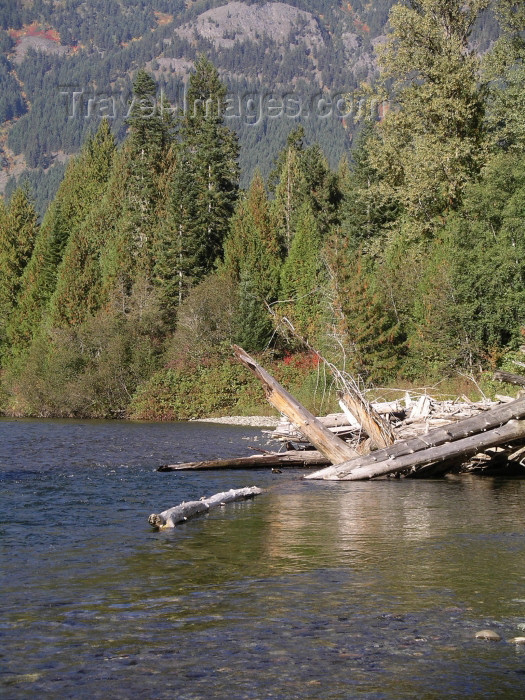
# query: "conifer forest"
[392,242]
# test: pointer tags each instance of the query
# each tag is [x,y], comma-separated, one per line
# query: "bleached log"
[421,408]
[459,450]
[509,378]
[291,458]
[375,426]
[179,514]
[335,449]
[449,433]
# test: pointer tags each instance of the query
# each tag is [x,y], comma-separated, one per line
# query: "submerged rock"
[517,640]
[489,635]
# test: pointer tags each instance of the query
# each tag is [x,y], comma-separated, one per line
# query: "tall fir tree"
[302,176]
[209,149]
[80,189]
[145,165]
[78,278]
[18,230]
[252,258]
[303,295]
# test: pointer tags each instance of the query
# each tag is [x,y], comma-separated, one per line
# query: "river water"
[312,590]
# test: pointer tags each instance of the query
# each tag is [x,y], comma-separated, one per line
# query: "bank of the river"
[254,421]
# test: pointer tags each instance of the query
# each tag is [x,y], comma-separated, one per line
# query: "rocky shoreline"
[253,421]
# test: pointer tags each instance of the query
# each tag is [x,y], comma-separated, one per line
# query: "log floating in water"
[292,458]
[374,464]
[335,449]
[179,514]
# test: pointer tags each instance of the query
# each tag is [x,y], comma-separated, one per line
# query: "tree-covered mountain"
[404,263]
[63,66]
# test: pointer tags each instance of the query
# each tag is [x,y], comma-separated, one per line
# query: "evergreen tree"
[504,72]
[80,189]
[181,254]
[209,151]
[148,143]
[366,209]
[369,333]
[303,278]
[488,238]
[430,143]
[18,230]
[302,176]
[252,258]
[78,278]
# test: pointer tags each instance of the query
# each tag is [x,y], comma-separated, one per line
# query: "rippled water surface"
[312,590]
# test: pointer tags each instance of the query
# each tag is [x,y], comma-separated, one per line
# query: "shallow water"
[312,590]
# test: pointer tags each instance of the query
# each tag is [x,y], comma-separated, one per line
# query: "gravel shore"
[254,421]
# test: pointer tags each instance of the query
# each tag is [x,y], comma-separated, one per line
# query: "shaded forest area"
[405,263]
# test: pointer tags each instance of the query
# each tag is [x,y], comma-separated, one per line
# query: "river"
[312,590]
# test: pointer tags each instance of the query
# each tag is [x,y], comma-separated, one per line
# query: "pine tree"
[430,144]
[145,165]
[78,278]
[18,230]
[302,176]
[210,151]
[365,209]
[181,257]
[252,258]
[303,278]
[80,189]
[366,323]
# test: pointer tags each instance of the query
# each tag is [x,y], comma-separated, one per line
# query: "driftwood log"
[460,450]
[375,426]
[179,514]
[509,378]
[335,449]
[388,460]
[449,433]
[291,458]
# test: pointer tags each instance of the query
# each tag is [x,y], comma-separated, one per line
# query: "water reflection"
[312,590]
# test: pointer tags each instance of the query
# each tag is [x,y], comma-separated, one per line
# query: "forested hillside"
[65,65]
[404,263]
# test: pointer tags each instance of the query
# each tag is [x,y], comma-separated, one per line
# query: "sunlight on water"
[313,590]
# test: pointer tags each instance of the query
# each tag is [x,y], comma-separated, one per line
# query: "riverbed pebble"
[489,635]
[517,640]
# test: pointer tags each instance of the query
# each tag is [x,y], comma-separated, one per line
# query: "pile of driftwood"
[409,438]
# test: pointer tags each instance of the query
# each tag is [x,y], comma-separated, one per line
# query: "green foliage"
[504,73]
[252,258]
[303,278]
[430,143]
[93,369]
[205,322]
[366,320]
[18,230]
[489,239]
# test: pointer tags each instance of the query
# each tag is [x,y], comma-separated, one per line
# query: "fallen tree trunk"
[179,514]
[509,378]
[458,450]
[291,458]
[375,426]
[335,449]
[454,431]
